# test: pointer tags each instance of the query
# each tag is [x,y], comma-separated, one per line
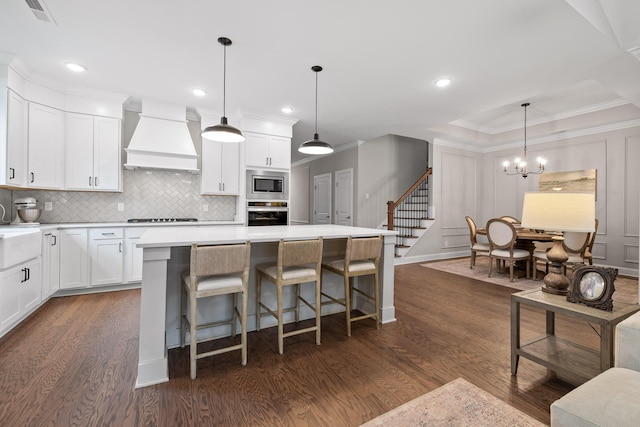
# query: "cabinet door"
[50,264]
[211,173]
[230,173]
[79,149]
[46,147]
[10,284]
[257,150]
[31,288]
[106,261]
[74,259]
[279,152]
[133,255]
[220,168]
[16,167]
[106,152]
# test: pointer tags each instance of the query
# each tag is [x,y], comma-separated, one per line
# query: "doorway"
[322,199]
[344,197]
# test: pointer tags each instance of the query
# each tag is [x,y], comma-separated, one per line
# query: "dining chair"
[362,258]
[502,238]
[588,253]
[299,261]
[510,219]
[215,271]
[476,248]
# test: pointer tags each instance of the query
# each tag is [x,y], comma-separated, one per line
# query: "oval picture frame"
[592,286]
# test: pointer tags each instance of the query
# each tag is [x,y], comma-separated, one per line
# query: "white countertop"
[70,225]
[184,236]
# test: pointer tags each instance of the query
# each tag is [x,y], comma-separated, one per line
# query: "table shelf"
[562,356]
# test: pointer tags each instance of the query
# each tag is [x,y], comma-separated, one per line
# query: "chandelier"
[520,165]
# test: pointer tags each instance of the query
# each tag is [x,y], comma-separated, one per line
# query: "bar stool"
[298,262]
[215,270]
[362,258]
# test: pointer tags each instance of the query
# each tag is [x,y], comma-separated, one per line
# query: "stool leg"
[234,315]
[193,325]
[376,295]
[297,302]
[183,313]
[280,326]
[258,292]
[318,313]
[347,302]
[243,324]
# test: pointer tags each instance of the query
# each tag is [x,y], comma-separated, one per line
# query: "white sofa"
[613,397]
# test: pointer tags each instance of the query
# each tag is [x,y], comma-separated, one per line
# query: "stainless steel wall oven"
[267,213]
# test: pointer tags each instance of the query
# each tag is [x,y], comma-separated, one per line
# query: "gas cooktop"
[162,220]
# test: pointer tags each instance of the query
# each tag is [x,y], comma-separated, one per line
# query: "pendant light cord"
[316,102]
[224,82]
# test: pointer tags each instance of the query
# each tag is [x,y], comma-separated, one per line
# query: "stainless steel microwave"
[267,185]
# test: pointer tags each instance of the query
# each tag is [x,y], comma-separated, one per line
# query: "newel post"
[391,207]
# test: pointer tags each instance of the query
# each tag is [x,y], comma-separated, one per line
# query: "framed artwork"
[592,286]
[583,181]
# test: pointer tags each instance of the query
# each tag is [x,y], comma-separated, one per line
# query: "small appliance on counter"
[28,213]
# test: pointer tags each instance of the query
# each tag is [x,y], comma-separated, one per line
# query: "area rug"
[626,287]
[458,403]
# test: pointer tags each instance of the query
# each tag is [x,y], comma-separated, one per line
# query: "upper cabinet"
[267,151]
[93,152]
[220,168]
[45,147]
[14,167]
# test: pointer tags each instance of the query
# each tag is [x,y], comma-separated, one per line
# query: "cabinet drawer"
[106,233]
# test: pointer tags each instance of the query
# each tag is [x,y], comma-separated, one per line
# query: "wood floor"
[74,362]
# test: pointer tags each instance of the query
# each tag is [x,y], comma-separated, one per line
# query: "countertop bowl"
[29,214]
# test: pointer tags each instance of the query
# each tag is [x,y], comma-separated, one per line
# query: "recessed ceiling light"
[443,82]
[199,92]
[76,67]
[287,110]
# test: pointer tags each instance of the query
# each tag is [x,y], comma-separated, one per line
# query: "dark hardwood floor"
[74,362]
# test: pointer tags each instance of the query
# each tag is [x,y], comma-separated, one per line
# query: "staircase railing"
[409,205]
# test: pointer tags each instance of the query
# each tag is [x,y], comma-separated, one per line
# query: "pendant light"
[223,132]
[315,145]
[520,167]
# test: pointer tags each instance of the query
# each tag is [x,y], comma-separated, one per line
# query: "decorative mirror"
[592,286]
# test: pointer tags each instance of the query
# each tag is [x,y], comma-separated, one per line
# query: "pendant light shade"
[223,132]
[315,145]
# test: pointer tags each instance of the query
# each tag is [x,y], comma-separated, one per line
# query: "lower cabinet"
[21,292]
[50,263]
[74,258]
[133,255]
[107,256]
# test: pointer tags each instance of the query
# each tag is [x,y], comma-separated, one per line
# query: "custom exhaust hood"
[162,140]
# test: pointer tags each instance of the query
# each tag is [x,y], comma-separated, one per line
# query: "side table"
[576,362]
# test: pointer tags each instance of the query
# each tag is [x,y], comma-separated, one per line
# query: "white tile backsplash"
[146,194]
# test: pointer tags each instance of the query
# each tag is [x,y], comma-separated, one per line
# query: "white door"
[322,198]
[344,197]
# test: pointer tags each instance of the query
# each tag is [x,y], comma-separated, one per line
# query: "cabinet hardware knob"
[108,234]
[55,240]
[120,247]
[33,176]
[13,173]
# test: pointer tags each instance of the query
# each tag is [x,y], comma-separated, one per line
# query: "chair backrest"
[363,248]
[300,252]
[473,230]
[575,242]
[220,259]
[510,219]
[501,234]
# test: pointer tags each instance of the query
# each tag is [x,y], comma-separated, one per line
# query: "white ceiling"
[380,58]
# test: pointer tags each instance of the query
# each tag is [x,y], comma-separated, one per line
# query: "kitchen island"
[166,254]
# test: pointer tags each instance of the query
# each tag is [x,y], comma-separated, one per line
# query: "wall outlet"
[48,206]
[120,207]
[205,208]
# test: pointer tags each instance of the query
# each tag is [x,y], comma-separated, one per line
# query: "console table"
[576,362]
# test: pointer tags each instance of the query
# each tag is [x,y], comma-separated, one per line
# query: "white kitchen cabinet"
[21,293]
[74,258]
[220,168]
[45,147]
[92,152]
[133,255]
[14,165]
[107,256]
[267,151]
[50,263]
